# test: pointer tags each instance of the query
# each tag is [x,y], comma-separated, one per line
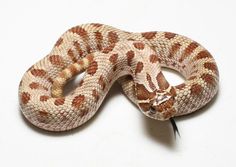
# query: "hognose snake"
[107,54]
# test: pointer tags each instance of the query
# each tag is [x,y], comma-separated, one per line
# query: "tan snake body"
[107,54]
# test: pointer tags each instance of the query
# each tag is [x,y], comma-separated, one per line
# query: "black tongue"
[174,126]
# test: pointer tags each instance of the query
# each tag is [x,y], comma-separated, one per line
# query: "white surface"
[119,135]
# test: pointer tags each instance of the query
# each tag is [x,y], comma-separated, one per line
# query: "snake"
[104,55]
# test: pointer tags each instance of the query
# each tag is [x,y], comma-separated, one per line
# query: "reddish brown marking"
[209,79]
[95,95]
[211,66]
[165,106]
[101,82]
[59,101]
[78,101]
[96,24]
[130,56]
[162,83]
[99,38]
[34,85]
[113,58]
[90,57]
[149,35]
[92,68]
[80,31]
[196,89]
[108,48]
[43,113]
[83,112]
[25,97]
[59,42]
[169,35]
[56,60]
[139,45]
[139,67]
[38,72]
[50,80]
[144,106]
[174,49]
[151,84]
[173,91]
[181,86]
[44,98]
[114,68]
[112,37]
[81,82]
[153,58]
[88,48]
[78,49]
[72,56]
[73,69]
[203,54]
[188,51]
[143,93]
[192,77]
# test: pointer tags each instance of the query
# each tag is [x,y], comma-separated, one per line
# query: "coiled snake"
[107,54]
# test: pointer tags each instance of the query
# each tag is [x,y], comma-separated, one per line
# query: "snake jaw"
[162,106]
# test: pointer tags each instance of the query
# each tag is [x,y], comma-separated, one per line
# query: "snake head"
[162,105]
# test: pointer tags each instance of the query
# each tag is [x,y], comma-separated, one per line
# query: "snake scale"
[106,54]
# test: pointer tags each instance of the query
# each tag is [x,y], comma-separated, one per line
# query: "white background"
[119,135]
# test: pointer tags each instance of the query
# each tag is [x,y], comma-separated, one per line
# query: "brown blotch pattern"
[78,101]
[162,83]
[153,58]
[211,66]
[139,45]
[144,106]
[112,37]
[99,38]
[187,51]
[83,112]
[196,89]
[108,48]
[78,49]
[59,101]
[34,85]
[180,86]
[59,42]
[92,68]
[38,72]
[151,84]
[130,56]
[44,98]
[25,97]
[174,48]
[43,113]
[142,93]
[73,69]
[209,79]
[96,24]
[80,31]
[139,67]
[95,95]
[101,82]
[173,91]
[56,60]
[169,35]
[149,35]
[113,58]
[71,54]
[203,54]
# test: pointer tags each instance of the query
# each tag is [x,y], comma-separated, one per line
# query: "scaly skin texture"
[107,54]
